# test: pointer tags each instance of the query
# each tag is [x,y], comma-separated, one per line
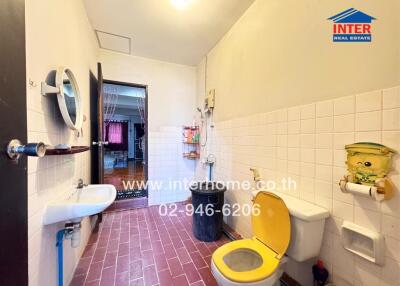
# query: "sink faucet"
[81,184]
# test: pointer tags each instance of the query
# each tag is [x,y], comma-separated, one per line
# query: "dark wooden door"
[13,175]
[97,122]
[94,129]
[100,123]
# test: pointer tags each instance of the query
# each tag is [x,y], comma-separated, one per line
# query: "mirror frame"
[61,99]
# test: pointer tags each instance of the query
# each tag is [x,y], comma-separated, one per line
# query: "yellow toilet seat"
[272,236]
[268,266]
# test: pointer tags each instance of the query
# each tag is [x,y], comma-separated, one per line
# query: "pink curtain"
[115,133]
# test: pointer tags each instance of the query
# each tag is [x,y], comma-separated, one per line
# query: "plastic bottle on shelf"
[190,136]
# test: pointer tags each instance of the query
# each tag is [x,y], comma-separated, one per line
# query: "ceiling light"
[181,4]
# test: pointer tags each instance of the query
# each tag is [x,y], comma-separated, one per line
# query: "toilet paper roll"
[362,190]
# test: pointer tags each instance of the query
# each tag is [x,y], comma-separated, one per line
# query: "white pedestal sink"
[87,201]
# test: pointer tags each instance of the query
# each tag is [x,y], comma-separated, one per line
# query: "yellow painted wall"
[280,53]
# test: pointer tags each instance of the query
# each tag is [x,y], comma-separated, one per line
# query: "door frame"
[146,115]
[13,174]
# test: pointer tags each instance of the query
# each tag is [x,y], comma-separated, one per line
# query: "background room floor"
[140,247]
[134,171]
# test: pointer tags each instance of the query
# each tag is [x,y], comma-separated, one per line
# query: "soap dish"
[363,242]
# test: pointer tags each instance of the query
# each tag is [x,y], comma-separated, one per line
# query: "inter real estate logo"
[352,26]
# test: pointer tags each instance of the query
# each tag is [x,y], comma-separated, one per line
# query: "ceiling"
[159,30]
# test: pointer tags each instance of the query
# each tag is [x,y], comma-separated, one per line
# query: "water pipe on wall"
[71,231]
[210,160]
[59,244]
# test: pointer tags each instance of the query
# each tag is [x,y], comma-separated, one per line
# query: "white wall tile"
[323,172]
[391,119]
[293,141]
[324,124]
[281,128]
[391,139]
[339,157]
[324,141]
[323,188]
[294,154]
[293,167]
[391,98]
[324,108]
[390,272]
[344,123]
[282,115]
[281,140]
[367,218]
[338,195]
[342,257]
[368,136]
[343,210]
[344,105]
[393,248]
[338,173]
[307,170]
[366,273]
[282,165]
[294,127]
[270,117]
[308,111]
[326,203]
[282,153]
[369,121]
[294,113]
[307,191]
[307,155]
[324,156]
[369,101]
[367,203]
[307,126]
[340,140]
[391,226]
[307,140]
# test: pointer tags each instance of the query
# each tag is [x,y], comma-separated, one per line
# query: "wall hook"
[32,83]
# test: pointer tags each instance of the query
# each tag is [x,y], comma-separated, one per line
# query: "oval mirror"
[69,100]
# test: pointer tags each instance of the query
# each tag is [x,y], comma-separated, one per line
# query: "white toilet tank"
[307,227]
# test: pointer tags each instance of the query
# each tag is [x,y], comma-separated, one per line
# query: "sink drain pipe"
[70,231]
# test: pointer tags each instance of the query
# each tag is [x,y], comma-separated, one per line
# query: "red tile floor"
[140,247]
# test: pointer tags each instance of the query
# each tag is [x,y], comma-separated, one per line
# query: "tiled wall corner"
[306,143]
[53,177]
[168,170]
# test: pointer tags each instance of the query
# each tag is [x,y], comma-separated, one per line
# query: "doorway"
[125,133]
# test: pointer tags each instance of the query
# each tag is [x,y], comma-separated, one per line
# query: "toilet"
[285,225]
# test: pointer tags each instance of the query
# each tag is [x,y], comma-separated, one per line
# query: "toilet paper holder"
[368,165]
[381,190]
